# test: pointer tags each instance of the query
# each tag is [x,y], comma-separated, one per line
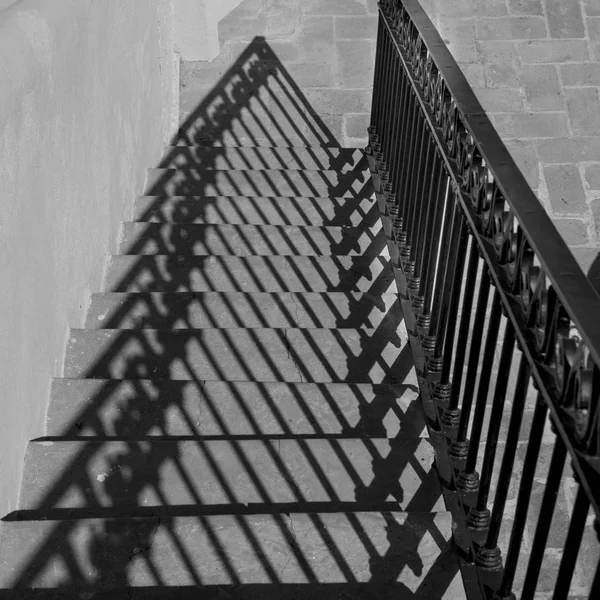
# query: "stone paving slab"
[535,67]
[165,273]
[322,50]
[236,309]
[294,355]
[294,549]
[258,210]
[227,476]
[93,407]
[246,240]
[273,182]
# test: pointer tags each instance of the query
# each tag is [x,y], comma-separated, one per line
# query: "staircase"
[240,413]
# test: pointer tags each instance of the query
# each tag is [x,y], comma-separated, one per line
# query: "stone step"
[135,409]
[294,355]
[166,273]
[269,117]
[244,240]
[239,309]
[265,556]
[341,160]
[120,478]
[184,182]
[258,210]
[280,125]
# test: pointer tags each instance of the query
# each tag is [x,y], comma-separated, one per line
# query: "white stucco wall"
[7,3]
[196,27]
[86,90]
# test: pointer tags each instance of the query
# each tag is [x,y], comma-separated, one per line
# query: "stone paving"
[328,47]
[535,67]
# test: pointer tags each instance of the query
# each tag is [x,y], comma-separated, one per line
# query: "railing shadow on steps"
[129,400]
[503,323]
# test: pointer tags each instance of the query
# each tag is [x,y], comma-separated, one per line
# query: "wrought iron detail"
[460,215]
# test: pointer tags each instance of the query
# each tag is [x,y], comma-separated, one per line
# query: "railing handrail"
[448,188]
[571,284]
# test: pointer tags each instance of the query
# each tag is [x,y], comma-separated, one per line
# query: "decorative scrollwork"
[550,336]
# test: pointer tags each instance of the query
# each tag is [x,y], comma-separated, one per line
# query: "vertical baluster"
[397,122]
[459,446]
[430,260]
[469,479]
[417,239]
[572,545]
[452,278]
[450,417]
[427,227]
[377,75]
[536,433]
[407,158]
[544,521]
[489,555]
[416,183]
[398,110]
[403,133]
[479,517]
[410,194]
[386,92]
[394,76]
[386,53]
[440,289]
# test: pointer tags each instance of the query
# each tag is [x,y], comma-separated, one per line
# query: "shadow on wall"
[167,424]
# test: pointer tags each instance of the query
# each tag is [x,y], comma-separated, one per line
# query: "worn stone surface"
[90,407]
[295,355]
[237,309]
[245,240]
[248,274]
[535,67]
[198,182]
[345,474]
[291,549]
[341,160]
[258,210]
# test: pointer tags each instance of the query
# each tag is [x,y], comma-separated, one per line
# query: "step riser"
[224,240]
[257,183]
[243,210]
[295,355]
[249,274]
[222,475]
[199,311]
[84,407]
[202,157]
[259,549]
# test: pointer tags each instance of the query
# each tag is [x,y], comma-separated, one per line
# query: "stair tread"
[181,310]
[96,407]
[367,273]
[242,158]
[341,474]
[244,240]
[258,182]
[384,548]
[239,354]
[258,210]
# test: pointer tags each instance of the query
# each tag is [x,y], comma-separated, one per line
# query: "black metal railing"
[504,325]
